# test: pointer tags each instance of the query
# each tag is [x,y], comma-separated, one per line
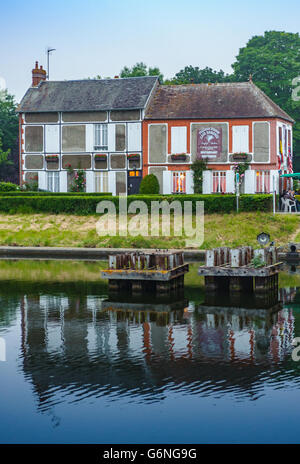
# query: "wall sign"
[209,143]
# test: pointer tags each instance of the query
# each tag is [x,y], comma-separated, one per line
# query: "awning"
[295,174]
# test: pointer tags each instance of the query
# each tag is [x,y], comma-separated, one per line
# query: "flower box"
[101,157]
[133,157]
[52,158]
[240,156]
[179,157]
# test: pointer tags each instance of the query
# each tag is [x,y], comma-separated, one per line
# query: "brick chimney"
[38,74]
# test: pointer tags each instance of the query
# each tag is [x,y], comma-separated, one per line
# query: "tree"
[191,75]
[149,185]
[273,60]
[139,70]
[9,164]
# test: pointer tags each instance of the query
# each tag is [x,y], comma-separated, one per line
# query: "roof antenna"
[49,50]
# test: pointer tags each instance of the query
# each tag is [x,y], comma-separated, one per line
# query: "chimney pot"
[38,75]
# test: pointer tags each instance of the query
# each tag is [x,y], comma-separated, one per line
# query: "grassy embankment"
[80,231]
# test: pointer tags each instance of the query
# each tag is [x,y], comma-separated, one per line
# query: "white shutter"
[178,140]
[42,180]
[230,184]
[167,181]
[189,182]
[274,181]
[111,130]
[134,136]
[207,182]
[112,182]
[52,138]
[249,181]
[63,181]
[240,136]
[89,176]
[89,141]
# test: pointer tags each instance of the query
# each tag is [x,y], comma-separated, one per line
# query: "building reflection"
[88,345]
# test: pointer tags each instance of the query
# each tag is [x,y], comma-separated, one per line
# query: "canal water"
[80,367]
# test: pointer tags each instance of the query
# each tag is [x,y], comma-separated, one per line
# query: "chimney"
[116,77]
[38,74]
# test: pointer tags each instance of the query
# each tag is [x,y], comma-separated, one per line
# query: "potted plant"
[100,157]
[240,156]
[133,157]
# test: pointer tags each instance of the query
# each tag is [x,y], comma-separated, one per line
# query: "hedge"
[53,194]
[86,204]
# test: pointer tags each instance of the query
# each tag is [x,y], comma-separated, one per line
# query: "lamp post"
[237,191]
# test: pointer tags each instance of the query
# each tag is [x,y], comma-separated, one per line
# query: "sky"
[100,37]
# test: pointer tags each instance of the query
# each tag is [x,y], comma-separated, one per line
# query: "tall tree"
[273,60]
[9,166]
[141,69]
[195,75]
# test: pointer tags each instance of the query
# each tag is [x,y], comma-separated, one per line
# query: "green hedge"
[53,194]
[86,204]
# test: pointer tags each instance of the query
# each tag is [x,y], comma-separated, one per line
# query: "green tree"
[195,75]
[273,60]
[9,159]
[141,69]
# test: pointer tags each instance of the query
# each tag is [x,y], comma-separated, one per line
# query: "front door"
[133,182]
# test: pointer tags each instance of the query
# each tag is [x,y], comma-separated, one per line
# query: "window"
[262,181]
[179,182]
[219,181]
[101,139]
[53,181]
[101,182]
[240,136]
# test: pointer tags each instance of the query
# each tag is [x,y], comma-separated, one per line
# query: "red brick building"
[217,122]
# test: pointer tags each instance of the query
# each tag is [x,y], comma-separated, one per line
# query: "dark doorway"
[133,182]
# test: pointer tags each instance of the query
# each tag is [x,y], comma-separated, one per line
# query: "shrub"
[8,187]
[86,204]
[149,185]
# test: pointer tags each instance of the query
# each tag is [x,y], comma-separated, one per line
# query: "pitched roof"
[89,95]
[212,101]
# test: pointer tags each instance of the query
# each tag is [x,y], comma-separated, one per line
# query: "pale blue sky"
[101,36]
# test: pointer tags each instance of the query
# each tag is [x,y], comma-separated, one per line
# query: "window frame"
[53,181]
[101,136]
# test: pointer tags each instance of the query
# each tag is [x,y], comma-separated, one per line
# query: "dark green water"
[81,368]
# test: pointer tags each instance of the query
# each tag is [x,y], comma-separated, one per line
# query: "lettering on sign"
[209,143]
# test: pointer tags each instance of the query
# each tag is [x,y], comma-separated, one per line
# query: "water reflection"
[87,346]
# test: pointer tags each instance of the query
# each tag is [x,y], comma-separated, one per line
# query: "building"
[95,125]
[217,122]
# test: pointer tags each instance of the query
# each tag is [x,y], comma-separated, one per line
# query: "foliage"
[273,60]
[195,75]
[8,187]
[240,168]
[78,179]
[258,261]
[198,167]
[9,159]
[139,70]
[86,204]
[149,185]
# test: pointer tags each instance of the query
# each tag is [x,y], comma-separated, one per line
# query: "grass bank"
[80,231]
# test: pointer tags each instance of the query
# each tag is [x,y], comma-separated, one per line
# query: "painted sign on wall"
[209,143]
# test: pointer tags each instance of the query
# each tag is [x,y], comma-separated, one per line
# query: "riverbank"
[71,231]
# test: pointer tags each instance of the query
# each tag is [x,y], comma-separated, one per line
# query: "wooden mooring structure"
[241,269]
[157,272]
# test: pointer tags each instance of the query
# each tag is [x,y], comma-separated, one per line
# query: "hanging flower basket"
[100,157]
[52,158]
[240,156]
[178,157]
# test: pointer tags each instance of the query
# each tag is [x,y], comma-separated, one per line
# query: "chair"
[287,205]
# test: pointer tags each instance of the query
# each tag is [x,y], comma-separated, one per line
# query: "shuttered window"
[240,139]
[219,181]
[262,181]
[101,137]
[53,181]
[179,182]
[101,182]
